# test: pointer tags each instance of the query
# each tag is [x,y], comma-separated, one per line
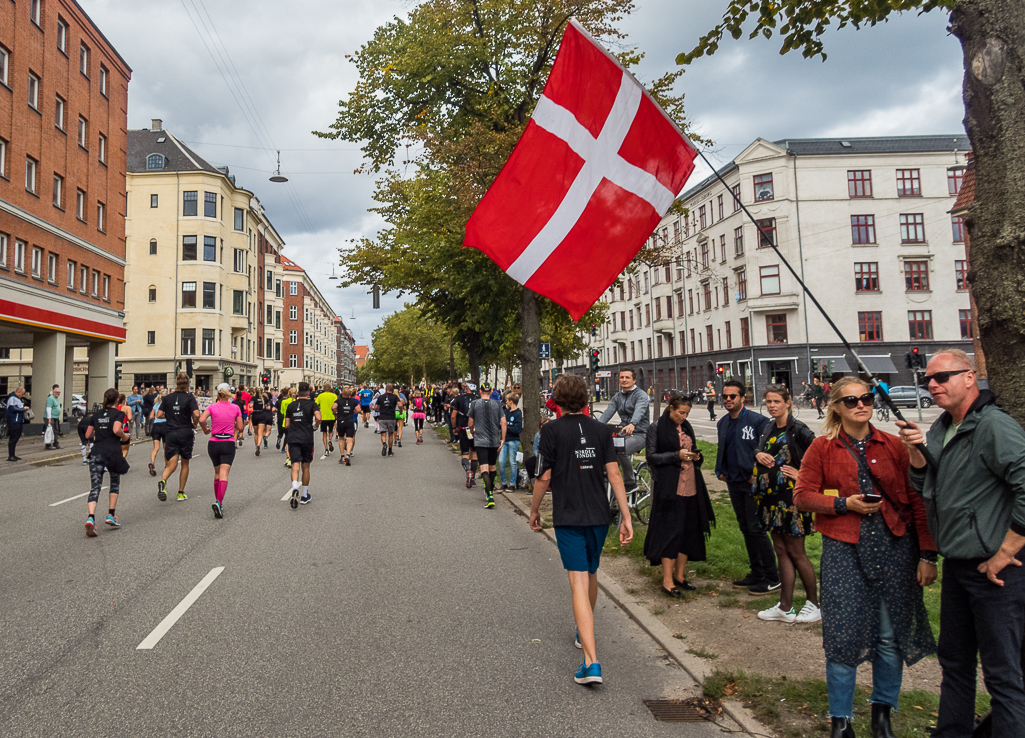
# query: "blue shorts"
[580,546]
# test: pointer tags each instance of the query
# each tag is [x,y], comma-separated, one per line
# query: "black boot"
[881,722]
[841,728]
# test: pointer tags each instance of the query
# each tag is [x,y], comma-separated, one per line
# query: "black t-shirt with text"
[386,405]
[178,408]
[346,409]
[299,415]
[462,407]
[105,443]
[576,448]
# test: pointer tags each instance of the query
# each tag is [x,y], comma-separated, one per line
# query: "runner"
[326,401]
[400,415]
[365,396]
[83,423]
[262,417]
[347,415]
[460,424]
[226,423]
[301,420]
[158,428]
[419,410]
[242,403]
[487,423]
[388,405]
[126,445]
[280,417]
[107,430]
[181,411]
[287,398]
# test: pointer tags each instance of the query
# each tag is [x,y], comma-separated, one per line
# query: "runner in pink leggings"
[226,422]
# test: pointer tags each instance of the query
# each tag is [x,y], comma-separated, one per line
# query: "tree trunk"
[992,35]
[472,348]
[451,358]
[530,363]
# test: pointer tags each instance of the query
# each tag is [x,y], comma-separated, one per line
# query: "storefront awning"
[839,363]
[879,364]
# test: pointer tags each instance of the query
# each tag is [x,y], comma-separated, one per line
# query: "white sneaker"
[809,614]
[775,613]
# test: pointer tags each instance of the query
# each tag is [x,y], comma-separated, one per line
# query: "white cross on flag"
[597,167]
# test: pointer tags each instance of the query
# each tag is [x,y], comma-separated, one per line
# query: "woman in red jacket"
[877,555]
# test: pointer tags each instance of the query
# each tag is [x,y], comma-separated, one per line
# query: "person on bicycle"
[631,403]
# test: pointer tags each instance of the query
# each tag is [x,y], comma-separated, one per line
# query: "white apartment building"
[865,221]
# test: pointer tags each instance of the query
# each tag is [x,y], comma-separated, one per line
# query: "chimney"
[156,124]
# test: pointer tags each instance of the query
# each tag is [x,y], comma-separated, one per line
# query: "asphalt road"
[393,604]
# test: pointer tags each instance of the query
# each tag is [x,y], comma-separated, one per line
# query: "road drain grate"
[681,711]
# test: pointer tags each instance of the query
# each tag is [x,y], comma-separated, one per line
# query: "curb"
[697,669]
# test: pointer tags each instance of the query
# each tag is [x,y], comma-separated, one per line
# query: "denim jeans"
[760,553]
[887,674]
[508,454]
[979,619]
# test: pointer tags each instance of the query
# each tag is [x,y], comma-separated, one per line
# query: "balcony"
[773,303]
[664,325]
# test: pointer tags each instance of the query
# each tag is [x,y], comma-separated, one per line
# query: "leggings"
[418,424]
[96,469]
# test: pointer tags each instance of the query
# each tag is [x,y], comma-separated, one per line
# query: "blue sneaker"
[305,500]
[113,521]
[576,639]
[589,674]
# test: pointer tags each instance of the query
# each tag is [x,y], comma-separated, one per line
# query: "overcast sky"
[237,79]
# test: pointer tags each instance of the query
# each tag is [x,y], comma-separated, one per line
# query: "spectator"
[631,404]
[15,422]
[877,555]
[53,414]
[135,404]
[710,398]
[738,435]
[511,447]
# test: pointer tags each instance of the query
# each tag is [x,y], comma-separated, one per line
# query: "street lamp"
[277,176]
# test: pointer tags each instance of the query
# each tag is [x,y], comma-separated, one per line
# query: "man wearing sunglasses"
[975,502]
[734,464]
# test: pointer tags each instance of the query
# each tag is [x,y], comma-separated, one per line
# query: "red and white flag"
[594,172]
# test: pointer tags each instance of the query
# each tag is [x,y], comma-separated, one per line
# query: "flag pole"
[772,242]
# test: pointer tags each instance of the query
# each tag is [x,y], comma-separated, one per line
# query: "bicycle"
[883,413]
[638,500]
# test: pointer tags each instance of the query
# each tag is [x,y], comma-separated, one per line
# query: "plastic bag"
[48,435]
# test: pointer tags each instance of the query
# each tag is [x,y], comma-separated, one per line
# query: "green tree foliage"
[408,347]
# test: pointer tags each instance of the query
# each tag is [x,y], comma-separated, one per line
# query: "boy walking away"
[326,401]
[301,420]
[181,411]
[487,422]
[574,455]
[387,405]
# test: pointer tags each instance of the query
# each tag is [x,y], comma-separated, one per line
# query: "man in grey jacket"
[631,403]
[975,503]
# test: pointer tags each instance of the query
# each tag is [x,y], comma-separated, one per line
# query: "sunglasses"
[730,397]
[941,377]
[867,399]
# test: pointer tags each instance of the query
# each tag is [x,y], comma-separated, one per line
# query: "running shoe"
[182,496]
[347,462]
[809,614]
[257,450]
[763,588]
[469,482]
[288,464]
[266,443]
[490,503]
[240,441]
[391,453]
[90,527]
[323,456]
[277,443]
[399,443]
[162,490]
[589,674]
[367,425]
[384,450]
[576,638]
[294,501]
[305,500]
[330,446]
[218,510]
[112,521]
[152,470]
[777,613]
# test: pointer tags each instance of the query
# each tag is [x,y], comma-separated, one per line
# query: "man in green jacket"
[53,413]
[975,502]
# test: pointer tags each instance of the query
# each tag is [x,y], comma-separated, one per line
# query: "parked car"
[904,396]
[78,406]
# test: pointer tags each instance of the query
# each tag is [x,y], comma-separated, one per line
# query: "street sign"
[229,372]
[544,351]
[603,374]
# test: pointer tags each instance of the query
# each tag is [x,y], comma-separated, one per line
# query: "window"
[30,174]
[909,183]
[647,315]
[669,306]
[101,211]
[293,338]
[708,338]
[33,91]
[293,288]
[870,326]
[866,276]
[957,226]
[3,158]
[209,295]
[704,254]
[763,187]
[912,228]
[190,202]
[154,201]
[189,248]
[240,216]
[745,332]
[83,59]
[19,256]
[209,205]
[238,302]
[51,268]
[58,191]
[920,325]
[647,283]
[693,345]
[188,342]
[863,229]
[703,217]
[62,35]
[80,205]
[240,261]
[83,280]
[725,291]
[955,176]
[72,269]
[729,336]
[965,318]
[208,342]
[706,288]
[37,262]
[156,161]
[96,283]
[102,146]
[736,197]
[188,294]
[916,276]
[722,248]
[292,361]
[722,211]
[106,287]
[83,131]
[741,285]
[769,278]
[293,312]
[209,248]
[277,288]
[776,327]
[104,74]
[859,183]
[152,293]
[767,234]
[58,112]
[961,275]
[153,247]
[270,316]
[151,338]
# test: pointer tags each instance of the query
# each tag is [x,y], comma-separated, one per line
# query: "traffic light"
[719,370]
[917,358]
[117,373]
[188,367]
[908,361]
[815,366]
[594,329]
[595,353]
[265,379]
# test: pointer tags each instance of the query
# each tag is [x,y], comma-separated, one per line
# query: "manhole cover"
[682,711]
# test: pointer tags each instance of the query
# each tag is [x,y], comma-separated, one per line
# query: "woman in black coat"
[681,511]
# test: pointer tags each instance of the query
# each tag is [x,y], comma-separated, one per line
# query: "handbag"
[875,482]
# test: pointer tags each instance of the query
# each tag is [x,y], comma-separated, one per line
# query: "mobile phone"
[872,499]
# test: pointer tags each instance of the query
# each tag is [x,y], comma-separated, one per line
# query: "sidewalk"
[32,451]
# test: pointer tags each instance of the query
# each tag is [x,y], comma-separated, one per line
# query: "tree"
[409,348]
[992,36]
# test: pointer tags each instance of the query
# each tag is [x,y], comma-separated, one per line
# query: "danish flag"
[597,167]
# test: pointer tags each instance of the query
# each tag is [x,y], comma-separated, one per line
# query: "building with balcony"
[345,369]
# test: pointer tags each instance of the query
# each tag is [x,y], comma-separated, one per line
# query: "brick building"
[309,353]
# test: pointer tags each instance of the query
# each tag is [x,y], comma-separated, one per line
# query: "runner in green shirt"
[326,400]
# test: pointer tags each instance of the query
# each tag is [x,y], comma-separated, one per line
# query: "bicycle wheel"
[640,501]
[795,410]
[616,514]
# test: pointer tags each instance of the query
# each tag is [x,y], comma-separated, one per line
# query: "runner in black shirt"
[387,405]
[460,424]
[107,429]
[302,417]
[181,411]
[261,418]
[574,456]
[346,413]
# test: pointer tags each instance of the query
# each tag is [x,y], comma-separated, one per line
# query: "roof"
[290,266]
[875,145]
[178,156]
[966,195]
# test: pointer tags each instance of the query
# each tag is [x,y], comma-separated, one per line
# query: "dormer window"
[155,161]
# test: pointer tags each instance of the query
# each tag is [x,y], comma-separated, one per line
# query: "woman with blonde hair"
[877,555]
[261,417]
[159,426]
